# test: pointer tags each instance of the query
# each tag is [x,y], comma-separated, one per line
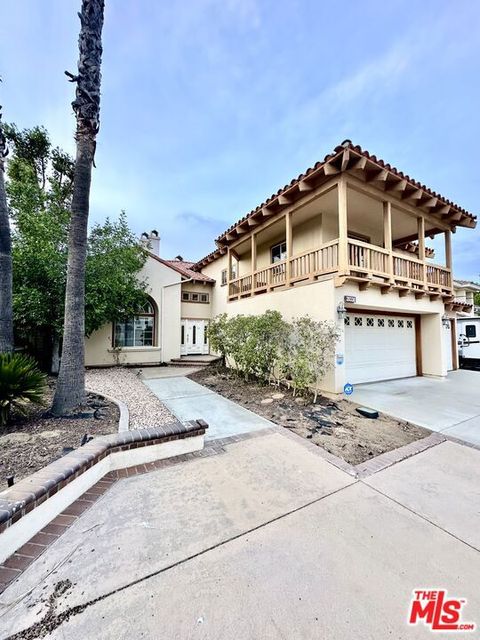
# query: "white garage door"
[379,347]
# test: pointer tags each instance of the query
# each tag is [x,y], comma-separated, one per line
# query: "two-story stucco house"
[464,293]
[344,242]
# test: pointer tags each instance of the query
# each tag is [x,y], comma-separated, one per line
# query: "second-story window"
[279,252]
[224,277]
[193,296]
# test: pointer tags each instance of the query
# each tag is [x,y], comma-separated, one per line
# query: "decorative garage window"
[138,331]
[470,331]
[370,322]
[358,322]
[401,324]
[347,321]
[391,323]
[381,322]
[193,296]
[409,324]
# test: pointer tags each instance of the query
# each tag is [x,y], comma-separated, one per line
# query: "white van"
[469,342]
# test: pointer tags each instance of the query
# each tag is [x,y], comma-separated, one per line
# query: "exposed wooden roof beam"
[330,169]
[303,185]
[414,195]
[345,159]
[431,202]
[444,209]
[430,233]
[284,200]
[252,222]
[401,185]
[454,217]
[361,163]
[381,176]
[266,212]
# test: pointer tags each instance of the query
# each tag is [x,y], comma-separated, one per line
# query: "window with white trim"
[278,252]
[137,331]
[195,296]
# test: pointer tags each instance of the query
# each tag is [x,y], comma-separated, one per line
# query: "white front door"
[194,339]
[379,347]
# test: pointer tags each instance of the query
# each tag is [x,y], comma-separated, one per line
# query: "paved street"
[264,540]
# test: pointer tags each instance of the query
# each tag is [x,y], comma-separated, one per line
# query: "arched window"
[138,331]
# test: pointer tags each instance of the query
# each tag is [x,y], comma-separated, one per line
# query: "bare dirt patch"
[29,443]
[334,425]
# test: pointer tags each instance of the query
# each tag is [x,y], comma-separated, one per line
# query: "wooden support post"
[387,237]
[448,255]
[343,266]
[229,270]
[253,241]
[421,247]
[288,242]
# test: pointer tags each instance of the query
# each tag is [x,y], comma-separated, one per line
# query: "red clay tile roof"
[343,158]
[184,268]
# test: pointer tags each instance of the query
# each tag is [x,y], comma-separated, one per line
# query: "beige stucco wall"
[197,310]
[160,278]
[320,301]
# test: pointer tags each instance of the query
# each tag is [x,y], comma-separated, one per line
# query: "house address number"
[351,299]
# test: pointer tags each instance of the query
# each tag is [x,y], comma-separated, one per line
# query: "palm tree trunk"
[70,391]
[6,311]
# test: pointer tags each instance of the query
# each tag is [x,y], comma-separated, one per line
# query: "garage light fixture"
[341,311]
[446,321]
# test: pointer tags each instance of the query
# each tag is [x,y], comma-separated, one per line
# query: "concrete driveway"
[450,405]
[265,540]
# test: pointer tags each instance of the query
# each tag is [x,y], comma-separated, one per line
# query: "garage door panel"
[379,347]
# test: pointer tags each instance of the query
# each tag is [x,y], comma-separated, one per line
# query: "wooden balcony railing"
[311,264]
[364,260]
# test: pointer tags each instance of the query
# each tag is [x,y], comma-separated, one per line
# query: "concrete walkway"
[450,405]
[189,400]
[266,540]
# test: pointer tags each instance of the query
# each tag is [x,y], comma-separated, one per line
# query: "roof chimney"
[151,241]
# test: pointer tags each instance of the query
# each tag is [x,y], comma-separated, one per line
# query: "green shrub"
[253,343]
[218,335]
[309,353]
[21,384]
[266,347]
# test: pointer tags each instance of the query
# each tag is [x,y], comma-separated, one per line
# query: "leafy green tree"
[39,191]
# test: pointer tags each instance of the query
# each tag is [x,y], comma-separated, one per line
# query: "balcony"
[365,263]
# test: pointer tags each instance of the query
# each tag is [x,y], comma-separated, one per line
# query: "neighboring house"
[464,297]
[172,323]
[343,242]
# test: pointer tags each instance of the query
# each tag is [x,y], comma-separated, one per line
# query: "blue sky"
[209,106]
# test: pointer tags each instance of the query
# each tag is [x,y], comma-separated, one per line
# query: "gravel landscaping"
[30,442]
[144,407]
[334,426]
